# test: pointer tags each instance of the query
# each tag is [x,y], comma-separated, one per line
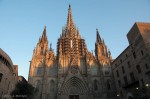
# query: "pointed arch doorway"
[73,96]
[74,88]
[74,92]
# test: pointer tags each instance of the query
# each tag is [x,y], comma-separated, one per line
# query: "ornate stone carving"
[74,69]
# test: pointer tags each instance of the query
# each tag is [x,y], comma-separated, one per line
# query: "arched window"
[95,85]
[138,68]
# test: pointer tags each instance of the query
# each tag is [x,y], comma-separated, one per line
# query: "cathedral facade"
[73,72]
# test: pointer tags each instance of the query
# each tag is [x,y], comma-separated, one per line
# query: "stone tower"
[43,69]
[70,46]
[74,73]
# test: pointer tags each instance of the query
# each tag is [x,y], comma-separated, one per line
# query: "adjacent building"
[131,68]
[74,72]
[8,75]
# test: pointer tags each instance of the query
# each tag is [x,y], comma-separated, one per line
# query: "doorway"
[73,96]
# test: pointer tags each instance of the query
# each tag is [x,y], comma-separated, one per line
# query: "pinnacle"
[69,6]
[50,46]
[70,20]
[44,37]
[98,38]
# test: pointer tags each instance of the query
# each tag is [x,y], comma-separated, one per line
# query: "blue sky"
[22,23]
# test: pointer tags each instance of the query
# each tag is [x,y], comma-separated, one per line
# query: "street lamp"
[118,95]
[147,85]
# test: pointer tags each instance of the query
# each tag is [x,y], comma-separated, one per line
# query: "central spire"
[70,22]
[70,27]
[70,41]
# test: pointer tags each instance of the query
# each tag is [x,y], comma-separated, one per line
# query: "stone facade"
[74,72]
[131,68]
[8,75]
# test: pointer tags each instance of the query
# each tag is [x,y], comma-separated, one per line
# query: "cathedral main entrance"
[73,96]
[74,88]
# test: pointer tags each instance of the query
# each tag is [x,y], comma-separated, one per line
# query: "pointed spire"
[69,6]
[98,38]
[70,23]
[44,37]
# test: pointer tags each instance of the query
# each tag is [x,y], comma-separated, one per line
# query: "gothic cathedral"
[74,72]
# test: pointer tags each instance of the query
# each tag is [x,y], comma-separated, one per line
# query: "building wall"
[135,60]
[8,75]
